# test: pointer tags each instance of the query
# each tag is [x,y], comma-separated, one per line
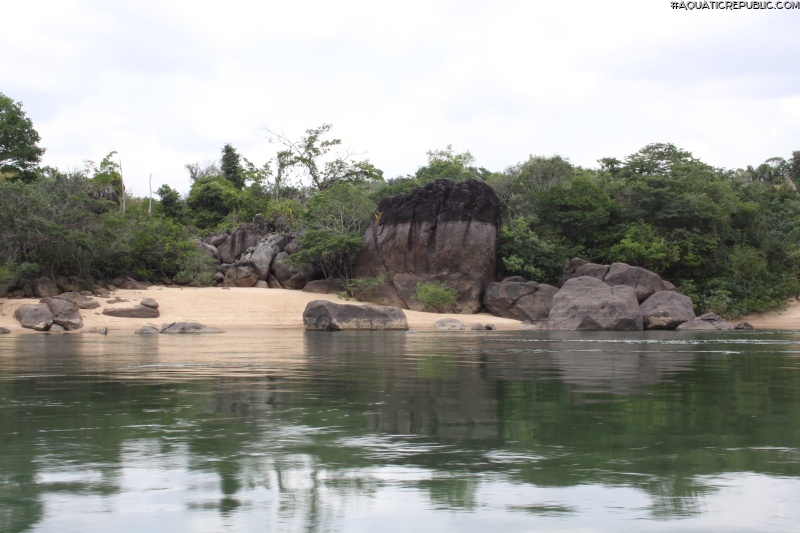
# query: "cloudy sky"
[165,83]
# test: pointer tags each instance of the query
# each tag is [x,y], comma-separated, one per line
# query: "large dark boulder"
[520,300]
[587,304]
[34,316]
[322,315]
[444,231]
[666,310]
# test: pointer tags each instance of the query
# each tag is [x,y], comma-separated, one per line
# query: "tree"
[19,153]
[310,158]
[450,165]
[231,167]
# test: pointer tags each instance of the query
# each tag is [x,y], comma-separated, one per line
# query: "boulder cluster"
[250,257]
[616,297]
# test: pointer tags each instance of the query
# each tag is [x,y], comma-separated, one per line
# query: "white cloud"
[168,83]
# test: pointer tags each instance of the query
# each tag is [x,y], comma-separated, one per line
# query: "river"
[292,431]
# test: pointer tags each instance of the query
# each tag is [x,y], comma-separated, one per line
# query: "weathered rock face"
[322,315]
[237,242]
[34,316]
[519,300]
[444,231]
[666,310]
[260,256]
[587,304]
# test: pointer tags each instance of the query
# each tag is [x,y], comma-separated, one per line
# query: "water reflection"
[318,431]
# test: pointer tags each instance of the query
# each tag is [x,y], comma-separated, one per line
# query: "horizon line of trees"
[730,239]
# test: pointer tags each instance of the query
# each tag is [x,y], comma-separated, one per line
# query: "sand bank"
[234,308]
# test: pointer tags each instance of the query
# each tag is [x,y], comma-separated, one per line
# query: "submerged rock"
[188,327]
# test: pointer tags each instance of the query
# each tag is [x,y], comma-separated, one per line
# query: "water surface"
[466,431]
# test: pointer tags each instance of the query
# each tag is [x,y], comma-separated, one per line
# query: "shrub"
[359,288]
[436,297]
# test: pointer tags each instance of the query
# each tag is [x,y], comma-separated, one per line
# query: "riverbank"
[242,308]
[229,309]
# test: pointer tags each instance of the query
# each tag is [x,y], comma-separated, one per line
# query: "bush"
[359,288]
[436,297]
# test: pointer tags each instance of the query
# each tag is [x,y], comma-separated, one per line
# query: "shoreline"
[240,308]
[231,309]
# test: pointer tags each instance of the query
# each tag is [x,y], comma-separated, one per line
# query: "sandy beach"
[229,309]
[243,308]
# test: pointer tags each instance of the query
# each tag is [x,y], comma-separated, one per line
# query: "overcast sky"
[168,83]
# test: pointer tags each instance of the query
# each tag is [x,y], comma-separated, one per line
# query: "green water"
[363,432]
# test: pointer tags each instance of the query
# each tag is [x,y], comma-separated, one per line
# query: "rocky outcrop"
[666,310]
[48,313]
[520,300]
[80,300]
[288,275]
[234,245]
[444,232]
[240,276]
[587,304]
[322,315]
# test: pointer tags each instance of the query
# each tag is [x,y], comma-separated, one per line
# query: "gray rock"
[273,282]
[135,311]
[4,331]
[743,326]
[236,243]
[261,284]
[80,300]
[666,310]
[477,326]
[588,304]
[209,249]
[592,270]
[643,281]
[322,315]
[287,274]
[261,255]
[444,231]
[57,328]
[98,331]
[149,302]
[533,326]
[34,316]
[449,324]
[519,300]
[147,330]
[188,327]
[44,287]
[708,321]
[490,327]
[65,313]
[100,292]
[240,276]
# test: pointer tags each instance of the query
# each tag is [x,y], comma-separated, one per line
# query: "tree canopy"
[19,150]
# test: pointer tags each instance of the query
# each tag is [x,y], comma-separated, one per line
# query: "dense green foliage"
[436,296]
